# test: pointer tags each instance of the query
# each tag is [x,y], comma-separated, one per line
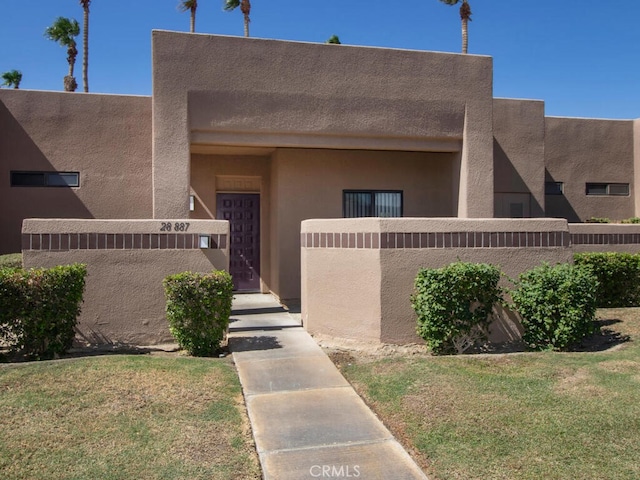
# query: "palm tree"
[64,31]
[85,43]
[245,8]
[465,16]
[12,78]
[189,6]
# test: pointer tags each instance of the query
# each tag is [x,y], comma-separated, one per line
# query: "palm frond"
[12,78]
[231,5]
[187,5]
[63,30]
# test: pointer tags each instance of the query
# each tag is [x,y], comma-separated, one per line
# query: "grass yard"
[124,417]
[514,416]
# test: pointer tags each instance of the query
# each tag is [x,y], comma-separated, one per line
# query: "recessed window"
[615,189]
[45,179]
[553,188]
[371,203]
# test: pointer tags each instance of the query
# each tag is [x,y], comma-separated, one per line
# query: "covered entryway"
[242,210]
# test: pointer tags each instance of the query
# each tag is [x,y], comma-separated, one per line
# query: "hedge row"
[454,305]
[40,308]
[618,275]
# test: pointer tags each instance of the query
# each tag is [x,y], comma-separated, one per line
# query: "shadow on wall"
[558,206]
[507,180]
[18,152]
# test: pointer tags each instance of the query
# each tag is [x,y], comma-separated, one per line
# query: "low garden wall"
[126,263]
[605,237]
[358,274]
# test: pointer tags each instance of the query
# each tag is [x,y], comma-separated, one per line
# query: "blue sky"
[582,57]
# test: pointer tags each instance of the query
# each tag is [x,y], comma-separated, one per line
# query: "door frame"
[257,267]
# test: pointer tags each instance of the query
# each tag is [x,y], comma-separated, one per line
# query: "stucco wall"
[126,262]
[636,163]
[107,138]
[360,288]
[518,152]
[240,91]
[578,151]
[310,183]
[607,237]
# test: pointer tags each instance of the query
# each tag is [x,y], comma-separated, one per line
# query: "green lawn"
[514,416]
[124,417]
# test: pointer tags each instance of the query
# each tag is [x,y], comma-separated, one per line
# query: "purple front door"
[243,212]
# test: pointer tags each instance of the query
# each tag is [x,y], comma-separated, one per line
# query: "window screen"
[371,203]
[617,189]
[45,179]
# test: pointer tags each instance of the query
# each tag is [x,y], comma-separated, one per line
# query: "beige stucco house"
[268,133]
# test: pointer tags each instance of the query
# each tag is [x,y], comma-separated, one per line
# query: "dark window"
[27,179]
[617,189]
[45,179]
[553,188]
[371,203]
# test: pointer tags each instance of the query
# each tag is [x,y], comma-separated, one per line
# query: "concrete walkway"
[307,420]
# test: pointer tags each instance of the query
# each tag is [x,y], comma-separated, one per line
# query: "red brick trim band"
[119,241]
[389,240]
[605,238]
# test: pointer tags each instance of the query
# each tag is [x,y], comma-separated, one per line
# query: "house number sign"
[175,227]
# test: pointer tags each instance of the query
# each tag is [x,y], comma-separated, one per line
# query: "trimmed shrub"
[631,220]
[454,305]
[557,305]
[11,260]
[40,308]
[618,277]
[198,310]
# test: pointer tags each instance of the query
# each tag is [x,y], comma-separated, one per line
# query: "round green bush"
[454,301]
[198,310]
[40,308]
[557,305]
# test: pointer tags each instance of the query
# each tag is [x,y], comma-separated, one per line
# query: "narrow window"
[63,179]
[614,189]
[27,179]
[371,203]
[553,188]
[619,189]
[45,179]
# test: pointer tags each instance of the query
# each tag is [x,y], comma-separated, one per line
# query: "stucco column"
[171,159]
[171,165]
[475,195]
